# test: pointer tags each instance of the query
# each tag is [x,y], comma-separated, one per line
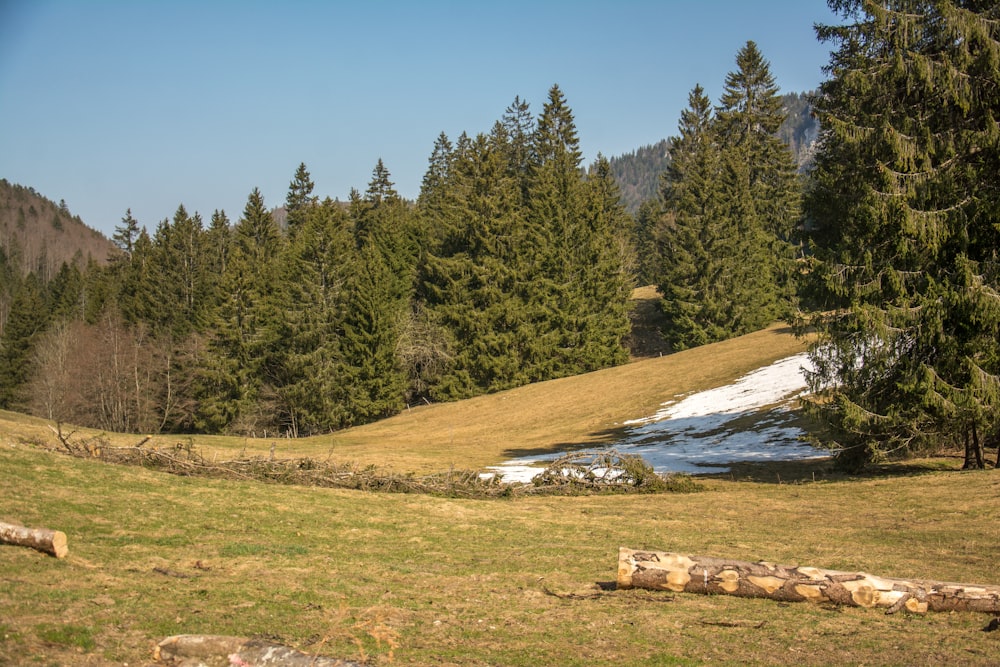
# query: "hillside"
[548,416]
[38,235]
[417,579]
[638,172]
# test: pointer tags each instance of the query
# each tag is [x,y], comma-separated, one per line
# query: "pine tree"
[555,214]
[237,383]
[761,186]
[469,281]
[692,252]
[731,202]
[65,293]
[607,259]
[26,320]
[318,263]
[903,208]
[371,375]
[378,299]
[183,290]
[126,233]
[299,199]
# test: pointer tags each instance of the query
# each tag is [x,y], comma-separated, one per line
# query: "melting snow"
[689,434]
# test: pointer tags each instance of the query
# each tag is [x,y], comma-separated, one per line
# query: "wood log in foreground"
[222,651]
[659,570]
[50,541]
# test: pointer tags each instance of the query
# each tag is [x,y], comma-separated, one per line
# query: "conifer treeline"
[511,267]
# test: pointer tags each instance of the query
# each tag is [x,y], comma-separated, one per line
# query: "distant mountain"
[638,172]
[36,234]
[800,129]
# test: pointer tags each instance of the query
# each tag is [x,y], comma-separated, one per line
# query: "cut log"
[658,570]
[50,541]
[222,651]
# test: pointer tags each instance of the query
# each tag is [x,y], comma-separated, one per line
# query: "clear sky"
[148,104]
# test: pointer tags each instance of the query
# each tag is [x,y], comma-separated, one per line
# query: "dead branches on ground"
[572,474]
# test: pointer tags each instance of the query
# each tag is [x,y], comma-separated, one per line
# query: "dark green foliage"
[514,266]
[372,379]
[126,233]
[25,322]
[469,282]
[529,275]
[299,199]
[318,264]
[731,204]
[904,221]
[638,173]
[243,357]
[65,294]
[692,239]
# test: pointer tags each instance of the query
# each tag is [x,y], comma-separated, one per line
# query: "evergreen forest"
[866,212]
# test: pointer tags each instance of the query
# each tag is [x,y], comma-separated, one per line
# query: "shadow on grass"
[596,440]
[826,470]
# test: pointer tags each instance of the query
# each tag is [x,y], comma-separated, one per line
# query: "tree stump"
[659,570]
[50,541]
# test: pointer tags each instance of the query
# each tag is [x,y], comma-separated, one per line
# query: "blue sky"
[148,104]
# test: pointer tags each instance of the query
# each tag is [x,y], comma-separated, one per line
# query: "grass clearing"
[413,579]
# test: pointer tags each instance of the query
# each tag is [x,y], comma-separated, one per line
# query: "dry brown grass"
[419,580]
[560,414]
[547,416]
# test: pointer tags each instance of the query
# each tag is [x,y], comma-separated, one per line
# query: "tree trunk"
[50,541]
[693,574]
[215,650]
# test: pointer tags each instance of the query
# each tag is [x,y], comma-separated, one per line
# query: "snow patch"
[695,432]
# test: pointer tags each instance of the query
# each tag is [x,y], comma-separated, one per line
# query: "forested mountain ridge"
[638,172]
[37,235]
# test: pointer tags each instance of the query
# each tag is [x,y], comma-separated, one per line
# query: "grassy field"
[421,580]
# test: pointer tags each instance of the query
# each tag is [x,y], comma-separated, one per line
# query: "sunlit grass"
[420,580]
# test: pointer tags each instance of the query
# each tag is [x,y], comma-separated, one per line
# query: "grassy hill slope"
[406,579]
[419,580]
[487,430]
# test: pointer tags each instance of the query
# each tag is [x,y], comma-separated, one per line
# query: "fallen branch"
[659,570]
[52,542]
[211,650]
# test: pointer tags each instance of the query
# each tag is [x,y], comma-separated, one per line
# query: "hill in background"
[638,172]
[36,234]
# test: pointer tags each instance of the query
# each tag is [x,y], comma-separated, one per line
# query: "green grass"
[409,579]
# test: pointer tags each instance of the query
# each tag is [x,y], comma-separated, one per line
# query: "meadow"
[417,579]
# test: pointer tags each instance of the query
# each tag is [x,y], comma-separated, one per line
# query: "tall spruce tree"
[242,360]
[317,264]
[761,187]
[607,256]
[299,199]
[555,214]
[126,233]
[469,280]
[731,203]
[378,301]
[372,376]
[903,208]
[691,250]
[26,320]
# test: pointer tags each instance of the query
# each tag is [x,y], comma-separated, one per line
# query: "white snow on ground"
[689,434]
